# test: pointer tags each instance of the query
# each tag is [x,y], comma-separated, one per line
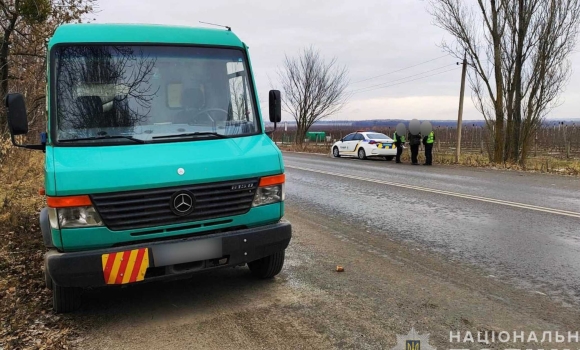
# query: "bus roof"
[91,33]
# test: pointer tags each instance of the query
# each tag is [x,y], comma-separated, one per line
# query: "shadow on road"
[228,288]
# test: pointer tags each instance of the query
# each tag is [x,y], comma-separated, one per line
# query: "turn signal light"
[67,202]
[272,180]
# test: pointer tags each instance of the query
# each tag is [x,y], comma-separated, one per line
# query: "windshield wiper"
[104,137]
[192,134]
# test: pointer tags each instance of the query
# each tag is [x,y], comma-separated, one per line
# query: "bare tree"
[239,109]
[519,51]
[313,89]
[121,67]
[482,47]
[546,67]
[25,27]
[543,35]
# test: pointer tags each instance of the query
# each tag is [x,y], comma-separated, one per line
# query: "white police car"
[363,144]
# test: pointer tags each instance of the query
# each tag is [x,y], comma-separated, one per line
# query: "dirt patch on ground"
[26,317]
[386,289]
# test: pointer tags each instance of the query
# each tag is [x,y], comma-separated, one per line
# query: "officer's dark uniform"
[399,142]
[414,142]
[428,143]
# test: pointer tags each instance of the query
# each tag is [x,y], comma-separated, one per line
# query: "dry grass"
[306,148]
[544,164]
[549,165]
[26,319]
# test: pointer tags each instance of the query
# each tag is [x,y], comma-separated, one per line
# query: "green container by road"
[317,136]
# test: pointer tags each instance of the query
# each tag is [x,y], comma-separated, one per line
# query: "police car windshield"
[378,136]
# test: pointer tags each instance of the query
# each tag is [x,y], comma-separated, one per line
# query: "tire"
[269,266]
[335,152]
[47,278]
[65,299]
[48,281]
[389,158]
[361,154]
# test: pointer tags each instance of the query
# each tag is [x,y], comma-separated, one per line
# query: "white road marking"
[447,193]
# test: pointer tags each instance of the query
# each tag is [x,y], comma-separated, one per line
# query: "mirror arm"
[35,147]
[41,147]
[271,131]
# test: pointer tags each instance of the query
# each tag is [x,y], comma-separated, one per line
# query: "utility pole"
[460,113]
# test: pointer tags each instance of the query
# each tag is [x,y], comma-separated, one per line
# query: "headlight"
[270,190]
[78,217]
[269,195]
[69,212]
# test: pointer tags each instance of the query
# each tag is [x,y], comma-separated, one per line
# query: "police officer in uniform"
[399,142]
[428,143]
[414,142]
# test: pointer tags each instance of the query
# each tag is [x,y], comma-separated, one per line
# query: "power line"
[404,82]
[399,70]
[404,78]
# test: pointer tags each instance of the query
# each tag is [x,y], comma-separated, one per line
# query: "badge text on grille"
[242,186]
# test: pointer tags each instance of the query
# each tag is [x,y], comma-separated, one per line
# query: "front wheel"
[65,299]
[335,152]
[389,158]
[269,266]
[361,154]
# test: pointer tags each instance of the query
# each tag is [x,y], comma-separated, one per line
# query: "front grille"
[151,207]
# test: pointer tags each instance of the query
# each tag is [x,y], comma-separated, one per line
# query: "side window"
[348,137]
[359,137]
[239,105]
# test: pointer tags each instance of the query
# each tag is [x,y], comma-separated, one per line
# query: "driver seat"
[192,101]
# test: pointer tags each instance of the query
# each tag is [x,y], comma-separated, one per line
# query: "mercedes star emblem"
[182,203]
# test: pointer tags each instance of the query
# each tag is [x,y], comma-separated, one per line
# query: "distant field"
[544,162]
[553,142]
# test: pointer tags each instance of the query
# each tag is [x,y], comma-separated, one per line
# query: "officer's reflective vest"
[431,137]
[402,138]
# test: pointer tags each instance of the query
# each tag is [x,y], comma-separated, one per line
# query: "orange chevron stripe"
[141,266]
[108,260]
[125,267]
[115,268]
[122,267]
[130,265]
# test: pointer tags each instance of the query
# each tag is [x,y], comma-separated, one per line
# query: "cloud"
[369,37]
[408,107]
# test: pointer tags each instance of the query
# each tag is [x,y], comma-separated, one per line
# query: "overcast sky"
[369,37]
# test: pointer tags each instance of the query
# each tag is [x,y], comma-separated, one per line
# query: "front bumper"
[87,269]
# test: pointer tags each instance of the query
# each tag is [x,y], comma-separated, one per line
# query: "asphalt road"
[523,227]
[439,249]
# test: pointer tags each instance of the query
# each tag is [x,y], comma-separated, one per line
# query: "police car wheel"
[335,152]
[361,154]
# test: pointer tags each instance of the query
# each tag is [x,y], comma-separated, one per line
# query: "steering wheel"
[207,111]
